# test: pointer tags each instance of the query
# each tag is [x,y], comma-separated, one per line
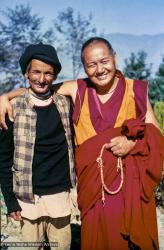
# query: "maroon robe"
[128,216]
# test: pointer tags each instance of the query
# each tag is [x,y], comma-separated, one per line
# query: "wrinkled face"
[40,76]
[99,64]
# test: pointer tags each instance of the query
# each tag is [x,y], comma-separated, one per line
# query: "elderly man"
[36,154]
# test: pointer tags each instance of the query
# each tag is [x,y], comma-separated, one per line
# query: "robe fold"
[128,217]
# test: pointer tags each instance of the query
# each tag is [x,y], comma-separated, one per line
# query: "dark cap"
[42,52]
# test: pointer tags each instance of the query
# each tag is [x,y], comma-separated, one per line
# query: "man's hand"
[5,107]
[120,145]
[16,215]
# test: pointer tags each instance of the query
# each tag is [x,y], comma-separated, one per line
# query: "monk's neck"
[105,93]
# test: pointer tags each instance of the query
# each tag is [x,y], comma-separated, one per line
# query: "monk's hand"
[120,145]
[16,215]
[5,108]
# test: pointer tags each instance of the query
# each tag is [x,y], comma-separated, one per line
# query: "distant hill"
[124,44]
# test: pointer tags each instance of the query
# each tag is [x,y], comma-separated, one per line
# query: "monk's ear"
[115,57]
[26,75]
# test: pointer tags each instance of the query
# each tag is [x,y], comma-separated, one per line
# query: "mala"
[99,160]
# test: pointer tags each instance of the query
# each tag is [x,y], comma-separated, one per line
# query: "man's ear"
[55,76]
[26,75]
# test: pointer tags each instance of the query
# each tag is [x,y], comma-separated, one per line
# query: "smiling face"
[99,64]
[40,76]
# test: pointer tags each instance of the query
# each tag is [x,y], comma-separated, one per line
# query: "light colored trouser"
[57,229]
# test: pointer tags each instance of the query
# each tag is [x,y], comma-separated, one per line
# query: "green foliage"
[72,30]
[160,72]
[136,67]
[156,91]
[20,29]
[3,208]
[159,112]
[159,193]
[156,85]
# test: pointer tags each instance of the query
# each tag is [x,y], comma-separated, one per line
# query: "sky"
[109,16]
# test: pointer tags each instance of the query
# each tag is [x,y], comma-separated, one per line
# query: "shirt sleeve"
[6,162]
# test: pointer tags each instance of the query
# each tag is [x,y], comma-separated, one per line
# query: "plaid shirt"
[25,118]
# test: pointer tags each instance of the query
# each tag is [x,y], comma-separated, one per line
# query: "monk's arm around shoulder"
[68,88]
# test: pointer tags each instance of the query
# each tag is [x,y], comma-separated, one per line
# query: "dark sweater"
[50,169]
[51,161]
